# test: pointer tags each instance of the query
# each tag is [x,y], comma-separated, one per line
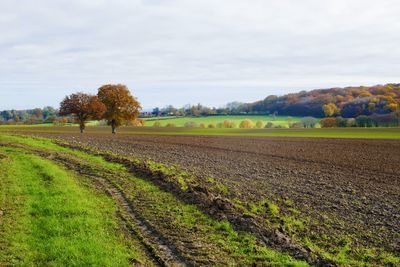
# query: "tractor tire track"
[163,251]
[159,248]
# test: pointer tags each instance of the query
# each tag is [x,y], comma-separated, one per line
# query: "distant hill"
[348,102]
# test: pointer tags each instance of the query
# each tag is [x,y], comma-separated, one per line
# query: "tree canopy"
[83,107]
[121,106]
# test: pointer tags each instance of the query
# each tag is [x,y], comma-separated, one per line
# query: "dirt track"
[349,187]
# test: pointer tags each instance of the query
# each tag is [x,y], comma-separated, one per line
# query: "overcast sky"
[190,51]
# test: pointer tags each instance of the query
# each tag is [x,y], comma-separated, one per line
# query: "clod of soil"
[347,187]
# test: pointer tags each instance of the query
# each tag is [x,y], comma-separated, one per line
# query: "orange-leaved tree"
[82,107]
[121,105]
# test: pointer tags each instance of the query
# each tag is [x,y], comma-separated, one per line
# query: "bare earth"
[349,187]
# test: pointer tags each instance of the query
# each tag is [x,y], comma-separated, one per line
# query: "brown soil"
[348,187]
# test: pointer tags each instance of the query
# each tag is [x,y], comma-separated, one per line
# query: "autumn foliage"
[328,122]
[348,102]
[113,103]
[246,124]
[121,106]
[82,107]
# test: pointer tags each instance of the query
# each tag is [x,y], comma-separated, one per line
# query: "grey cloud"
[181,51]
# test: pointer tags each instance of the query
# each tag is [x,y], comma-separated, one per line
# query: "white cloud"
[181,51]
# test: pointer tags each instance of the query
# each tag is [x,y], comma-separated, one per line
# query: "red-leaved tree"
[82,107]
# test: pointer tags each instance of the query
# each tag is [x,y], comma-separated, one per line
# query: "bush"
[364,121]
[157,124]
[328,123]
[137,122]
[228,124]
[309,122]
[259,124]
[211,125]
[60,121]
[191,124]
[170,125]
[351,122]
[202,125]
[269,125]
[341,122]
[246,124]
[296,125]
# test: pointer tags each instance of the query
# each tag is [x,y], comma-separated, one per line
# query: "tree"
[156,111]
[228,124]
[259,124]
[328,122]
[309,122]
[170,125]
[121,105]
[269,125]
[83,107]
[330,109]
[289,120]
[364,121]
[191,124]
[157,124]
[246,124]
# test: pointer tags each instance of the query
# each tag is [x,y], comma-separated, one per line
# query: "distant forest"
[349,102]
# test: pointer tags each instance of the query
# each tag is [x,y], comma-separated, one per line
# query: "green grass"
[180,121]
[364,133]
[50,218]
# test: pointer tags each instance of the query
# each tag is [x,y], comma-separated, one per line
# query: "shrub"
[170,125]
[328,123]
[60,121]
[296,125]
[191,124]
[137,122]
[364,121]
[259,124]
[309,122]
[341,122]
[211,125]
[269,125]
[157,124]
[228,124]
[202,125]
[246,124]
[351,122]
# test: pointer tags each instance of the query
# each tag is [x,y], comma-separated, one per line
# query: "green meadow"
[281,121]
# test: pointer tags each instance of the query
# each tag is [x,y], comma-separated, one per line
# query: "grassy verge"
[60,204]
[363,133]
[50,218]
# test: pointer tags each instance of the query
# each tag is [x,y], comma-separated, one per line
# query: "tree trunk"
[113,127]
[82,126]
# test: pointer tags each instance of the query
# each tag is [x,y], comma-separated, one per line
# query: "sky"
[193,51]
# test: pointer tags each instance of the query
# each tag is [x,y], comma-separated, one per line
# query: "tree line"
[113,103]
[378,105]
[371,106]
[349,102]
[30,116]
